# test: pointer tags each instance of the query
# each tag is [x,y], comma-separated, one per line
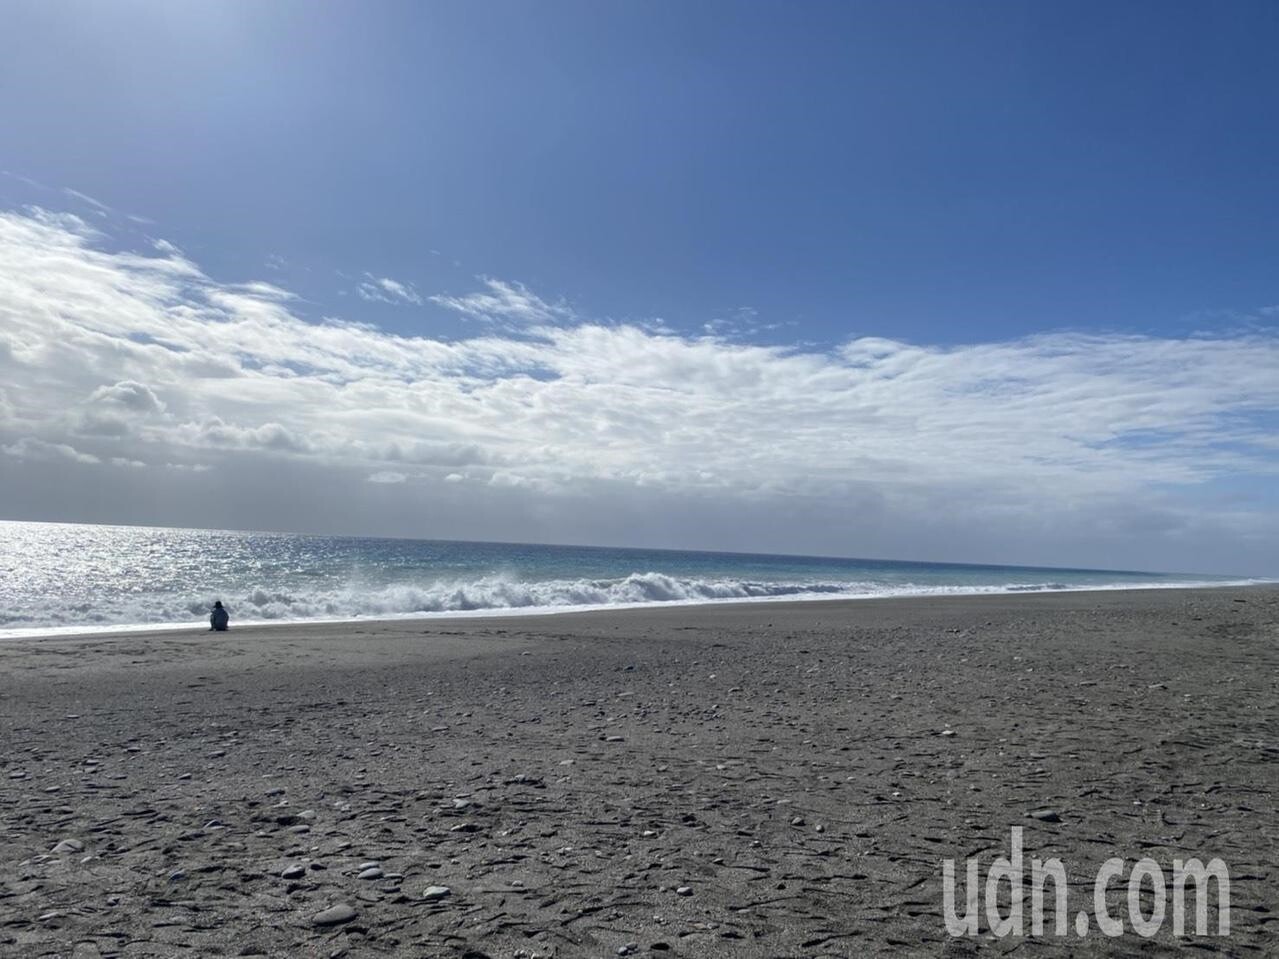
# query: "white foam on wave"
[490,596]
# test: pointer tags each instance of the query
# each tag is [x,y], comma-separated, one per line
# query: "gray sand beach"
[749,780]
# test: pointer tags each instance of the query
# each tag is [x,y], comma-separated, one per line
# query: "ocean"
[62,577]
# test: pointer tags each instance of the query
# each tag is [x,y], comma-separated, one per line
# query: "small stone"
[614,739]
[334,915]
[436,893]
[628,949]
[948,732]
[1045,815]
[797,821]
[684,891]
[69,845]
[373,872]
[293,872]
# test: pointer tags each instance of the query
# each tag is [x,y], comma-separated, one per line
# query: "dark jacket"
[219,618]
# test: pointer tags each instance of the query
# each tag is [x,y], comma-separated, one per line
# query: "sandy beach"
[749,780]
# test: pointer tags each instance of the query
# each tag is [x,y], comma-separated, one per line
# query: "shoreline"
[127,630]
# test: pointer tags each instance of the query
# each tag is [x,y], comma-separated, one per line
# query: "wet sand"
[753,780]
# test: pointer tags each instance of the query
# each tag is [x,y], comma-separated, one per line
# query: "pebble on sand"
[334,915]
[1045,815]
[69,845]
[436,893]
[372,872]
[293,872]
[684,891]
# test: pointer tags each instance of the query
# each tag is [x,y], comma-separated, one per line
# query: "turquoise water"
[56,576]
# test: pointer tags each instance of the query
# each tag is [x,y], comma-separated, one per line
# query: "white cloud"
[268,436]
[33,448]
[387,476]
[128,395]
[98,206]
[1082,431]
[383,289]
[503,301]
[116,409]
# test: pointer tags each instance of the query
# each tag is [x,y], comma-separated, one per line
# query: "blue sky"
[889,257]
[929,171]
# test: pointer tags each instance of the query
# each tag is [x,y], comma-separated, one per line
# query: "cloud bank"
[161,394]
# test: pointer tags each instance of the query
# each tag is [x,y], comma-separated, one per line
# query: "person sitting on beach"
[219,618]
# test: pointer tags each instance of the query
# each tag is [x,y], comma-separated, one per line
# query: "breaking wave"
[498,593]
[491,594]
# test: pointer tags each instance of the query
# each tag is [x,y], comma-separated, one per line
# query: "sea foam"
[67,577]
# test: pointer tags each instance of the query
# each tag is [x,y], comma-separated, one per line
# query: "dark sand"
[564,776]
